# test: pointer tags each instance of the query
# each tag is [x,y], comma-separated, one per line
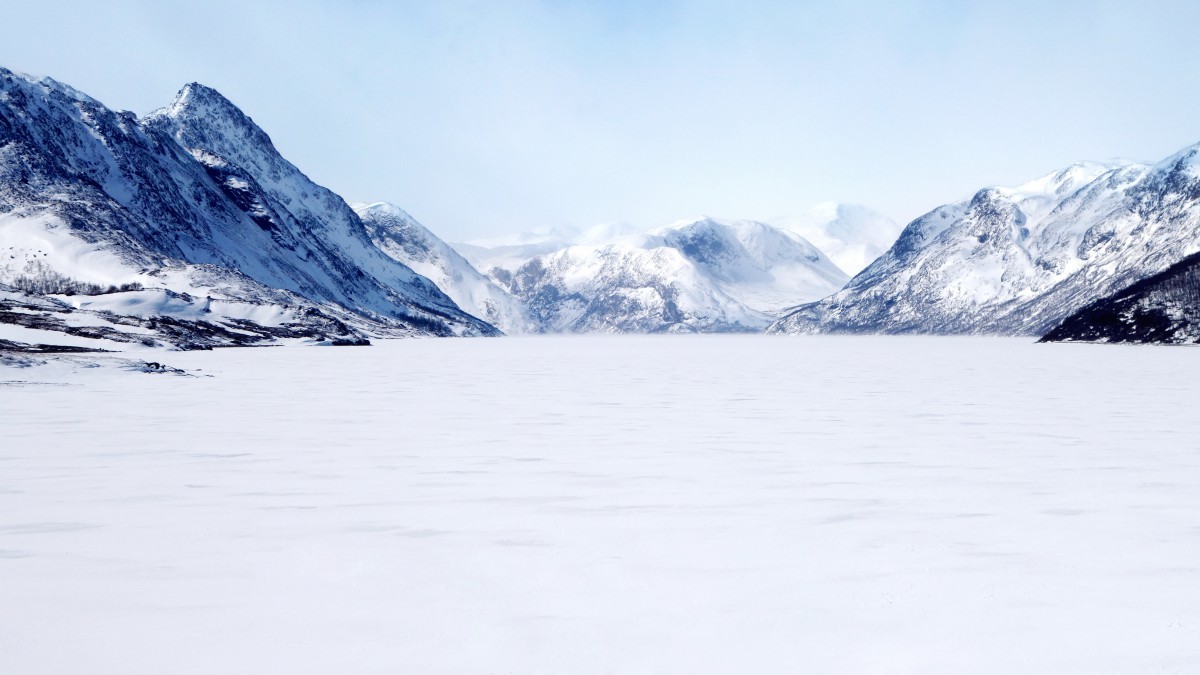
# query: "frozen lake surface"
[675,505]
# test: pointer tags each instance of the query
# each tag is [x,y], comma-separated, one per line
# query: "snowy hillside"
[404,239]
[193,200]
[1163,308]
[1018,260]
[763,268]
[852,236]
[695,275]
[625,288]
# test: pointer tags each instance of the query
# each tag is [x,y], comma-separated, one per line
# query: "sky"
[485,118]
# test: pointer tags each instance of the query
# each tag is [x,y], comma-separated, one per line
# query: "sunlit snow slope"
[401,237]
[701,275]
[1018,260]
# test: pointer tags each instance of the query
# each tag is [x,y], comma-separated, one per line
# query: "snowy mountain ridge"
[702,275]
[1017,260]
[194,199]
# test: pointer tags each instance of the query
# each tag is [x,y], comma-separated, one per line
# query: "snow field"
[664,504]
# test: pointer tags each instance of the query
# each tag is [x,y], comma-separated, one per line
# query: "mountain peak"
[202,117]
[197,100]
[195,94]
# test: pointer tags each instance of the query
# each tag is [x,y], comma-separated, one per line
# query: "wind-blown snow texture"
[193,199]
[402,238]
[1164,308]
[670,504]
[1019,260]
[694,276]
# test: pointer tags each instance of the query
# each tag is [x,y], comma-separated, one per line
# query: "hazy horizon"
[483,120]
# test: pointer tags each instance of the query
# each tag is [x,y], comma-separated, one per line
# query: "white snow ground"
[664,504]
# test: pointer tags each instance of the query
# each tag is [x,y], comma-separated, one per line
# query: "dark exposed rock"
[1164,308]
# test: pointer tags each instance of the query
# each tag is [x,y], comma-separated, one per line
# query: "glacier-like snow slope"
[1019,260]
[685,505]
[853,236]
[401,237]
[193,199]
[700,275]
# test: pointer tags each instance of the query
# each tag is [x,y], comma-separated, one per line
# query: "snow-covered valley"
[654,504]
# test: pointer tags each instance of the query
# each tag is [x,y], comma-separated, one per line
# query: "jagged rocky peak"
[202,117]
[193,200]
[215,131]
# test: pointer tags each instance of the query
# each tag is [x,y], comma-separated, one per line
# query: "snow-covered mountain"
[193,200]
[696,275]
[1163,308]
[401,237]
[852,236]
[760,266]
[1019,260]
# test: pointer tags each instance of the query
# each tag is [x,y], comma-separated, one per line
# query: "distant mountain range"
[187,228]
[698,275]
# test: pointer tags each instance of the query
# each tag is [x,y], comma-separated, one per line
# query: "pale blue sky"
[489,117]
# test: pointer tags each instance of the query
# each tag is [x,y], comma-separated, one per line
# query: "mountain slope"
[305,219]
[701,275]
[763,268]
[624,288]
[1019,260]
[195,200]
[1163,308]
[404,239]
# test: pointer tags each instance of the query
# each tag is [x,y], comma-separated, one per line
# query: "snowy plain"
[653,504]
